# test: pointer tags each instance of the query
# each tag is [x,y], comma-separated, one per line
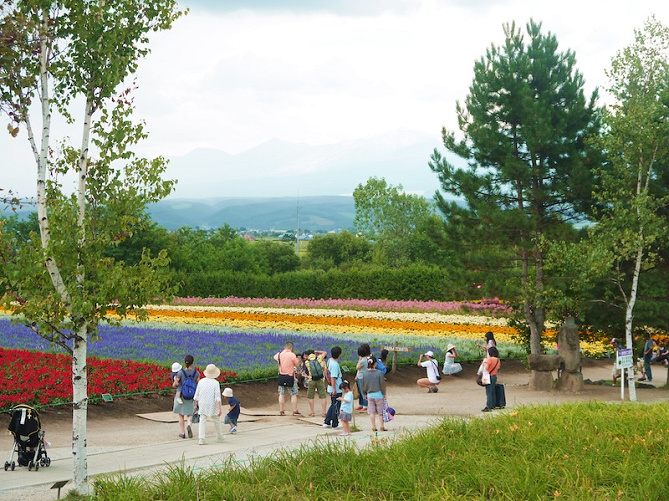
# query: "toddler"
[346,411]
[176,368]
[233,411]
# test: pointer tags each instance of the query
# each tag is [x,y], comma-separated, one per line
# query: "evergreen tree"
[524,125]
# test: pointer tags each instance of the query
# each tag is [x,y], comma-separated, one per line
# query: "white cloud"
[324,72]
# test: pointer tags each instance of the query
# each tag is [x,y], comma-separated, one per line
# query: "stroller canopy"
[24,424]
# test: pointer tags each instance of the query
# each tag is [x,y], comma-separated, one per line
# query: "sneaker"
[220,440]
[486,409]
[233,432]
[435,389]
[325,425]
[233,429]
[344,434]
[200,442]
[189,430]
[337,427]
[430,390]
[359,408]
[180,400]
[181,435]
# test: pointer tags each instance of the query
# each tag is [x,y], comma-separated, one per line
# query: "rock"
[541,381]
[568,342]
[570,381]
[544,362]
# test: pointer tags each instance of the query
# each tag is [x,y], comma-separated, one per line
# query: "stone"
[568,343]
[544,362]
[541,381]
[570,381]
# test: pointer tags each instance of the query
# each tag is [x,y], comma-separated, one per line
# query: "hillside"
[323,213]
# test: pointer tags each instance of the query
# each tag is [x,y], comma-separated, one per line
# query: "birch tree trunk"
[80,411]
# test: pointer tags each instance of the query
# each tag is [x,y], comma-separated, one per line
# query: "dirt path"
[115,427]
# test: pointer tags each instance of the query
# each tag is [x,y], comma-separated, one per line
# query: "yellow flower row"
[335,313]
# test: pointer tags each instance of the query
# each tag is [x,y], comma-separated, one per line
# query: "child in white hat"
[176,367]
[233,411]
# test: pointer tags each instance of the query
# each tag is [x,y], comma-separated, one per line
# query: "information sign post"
[624,360]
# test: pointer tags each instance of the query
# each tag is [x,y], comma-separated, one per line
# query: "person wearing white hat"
[433,378]
[208,402]
[450,365]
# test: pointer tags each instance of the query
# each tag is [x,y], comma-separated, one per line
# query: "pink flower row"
[492,307]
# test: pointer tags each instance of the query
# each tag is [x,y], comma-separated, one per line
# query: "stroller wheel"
[13,465]
[37,466]
[30,466]
[47,461]
[6,465]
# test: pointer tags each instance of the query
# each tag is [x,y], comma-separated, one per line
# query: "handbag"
[195,418]
[480,375]
[388,413]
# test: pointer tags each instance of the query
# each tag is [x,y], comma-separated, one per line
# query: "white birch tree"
[57,55]
[633,190]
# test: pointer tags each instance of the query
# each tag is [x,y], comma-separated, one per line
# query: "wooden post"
[394,358]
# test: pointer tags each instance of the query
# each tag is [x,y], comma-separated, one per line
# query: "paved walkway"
[255,440]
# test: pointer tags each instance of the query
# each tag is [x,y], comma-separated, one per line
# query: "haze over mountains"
[262,188]
[279,169]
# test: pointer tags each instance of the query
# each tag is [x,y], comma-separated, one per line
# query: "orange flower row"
[328,321]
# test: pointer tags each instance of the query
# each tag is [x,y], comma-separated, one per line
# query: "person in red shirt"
[492,365]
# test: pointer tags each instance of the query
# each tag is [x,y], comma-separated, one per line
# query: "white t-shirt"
[432,370]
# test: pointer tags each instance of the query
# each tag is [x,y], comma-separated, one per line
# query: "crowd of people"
[198,400]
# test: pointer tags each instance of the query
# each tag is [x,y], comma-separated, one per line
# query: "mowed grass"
[576,451]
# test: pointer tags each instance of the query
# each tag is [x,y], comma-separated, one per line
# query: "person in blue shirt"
[233,411]
[346,412]
[334,389]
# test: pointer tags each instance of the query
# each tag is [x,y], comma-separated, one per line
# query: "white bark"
[80,411]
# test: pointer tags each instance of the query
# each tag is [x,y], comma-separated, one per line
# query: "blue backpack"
[188,385]
[381,367]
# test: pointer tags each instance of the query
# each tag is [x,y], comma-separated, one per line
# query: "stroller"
[24,423]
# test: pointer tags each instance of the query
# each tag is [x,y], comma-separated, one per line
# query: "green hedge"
[414,282]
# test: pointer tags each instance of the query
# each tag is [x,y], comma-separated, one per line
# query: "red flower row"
[38,379]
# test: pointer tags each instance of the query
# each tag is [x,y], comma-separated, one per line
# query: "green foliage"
[419,282]
[389,217]
[533,452]
[524,125]
[335,250]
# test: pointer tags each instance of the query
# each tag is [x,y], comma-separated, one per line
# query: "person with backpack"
[335,379]
[186,383]
[315,365]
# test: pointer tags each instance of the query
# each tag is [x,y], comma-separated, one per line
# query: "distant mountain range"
[315,213]
[281,169]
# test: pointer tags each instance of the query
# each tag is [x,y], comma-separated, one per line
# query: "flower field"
[241,336]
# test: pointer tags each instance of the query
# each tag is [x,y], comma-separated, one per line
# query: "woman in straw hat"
[208,402]
[450,365]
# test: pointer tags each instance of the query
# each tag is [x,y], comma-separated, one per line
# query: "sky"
[233,74]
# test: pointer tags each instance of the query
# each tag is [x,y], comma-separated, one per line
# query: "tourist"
[615,372]
[648,356]
[374,387]
[315,370]
[492,364]
[364,351]
[185,408]
[234,408]
[433,378]
[489,342]
[346,412]
[334,389]
[289,365]
[450,365]
[208,403]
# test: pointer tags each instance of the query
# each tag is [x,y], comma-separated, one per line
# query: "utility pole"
[297,232]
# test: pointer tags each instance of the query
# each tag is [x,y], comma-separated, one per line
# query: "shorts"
[293,391]
[230,420]
[316,385]
[374,406]
[615,372]
[345,416]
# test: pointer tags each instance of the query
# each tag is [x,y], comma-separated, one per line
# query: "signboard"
[624,358]
[397,348]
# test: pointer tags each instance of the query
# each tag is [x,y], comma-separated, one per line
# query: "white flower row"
[378,315]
